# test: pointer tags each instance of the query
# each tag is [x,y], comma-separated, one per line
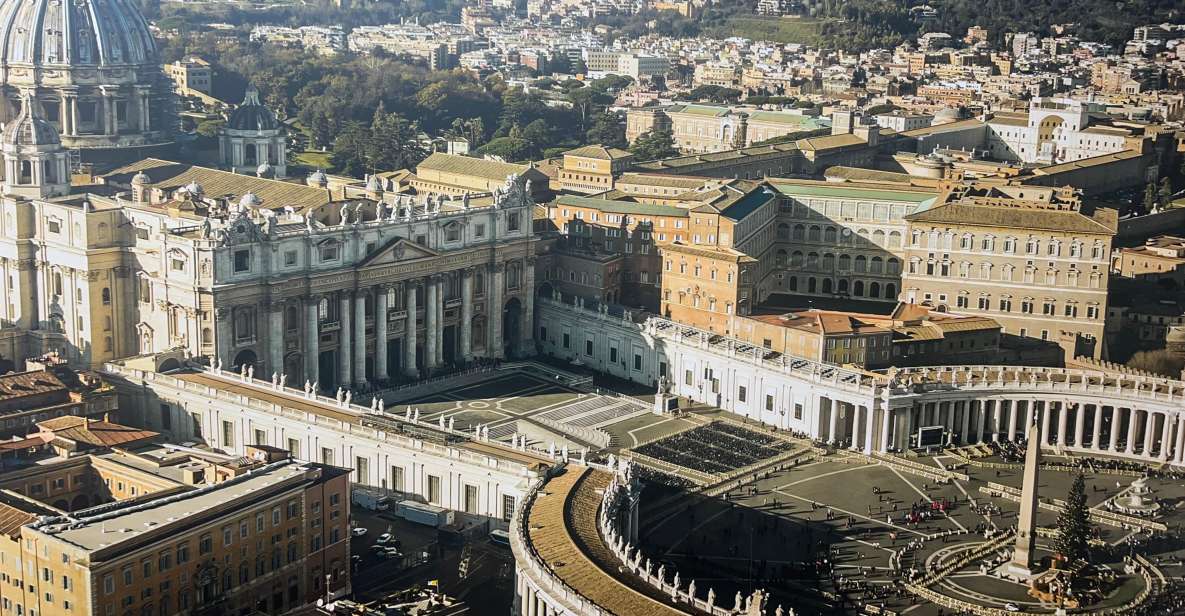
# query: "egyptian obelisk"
[1022,557]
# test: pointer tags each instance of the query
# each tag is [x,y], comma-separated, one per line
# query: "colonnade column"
[312,350]
[869,428]
[1149,432]
[1166,437]
[886,420]
[1063,415]
[467,315]
[344,346]
[275,336]
[1079,424]
[430,325]
[1030,417]
[380,334]
[966,432]
[1097,429]
[1013,412]
[439,308]
[1133,424]
[833,420]
[1179,454]
[982,412]
[409,332]
[1045,409]
[359,339]
[1116,417]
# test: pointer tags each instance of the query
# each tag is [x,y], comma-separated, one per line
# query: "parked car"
[358,531]
[384,539]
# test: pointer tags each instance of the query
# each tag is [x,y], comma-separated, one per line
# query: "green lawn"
[777,29]
[313,159]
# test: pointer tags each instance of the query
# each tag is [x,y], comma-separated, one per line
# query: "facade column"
[345,354]
[359,339]
[380,334]
[1030,409]
[64,113]
[312,333]
[527,327]
[1045,409]
[1097,429]
[1149,432]
[430,323]
[1079,424]
[498,287]
[223,335]
[275,336]
[1013,416]
[1133,424]
[409,333]
[440,286]
[466,315]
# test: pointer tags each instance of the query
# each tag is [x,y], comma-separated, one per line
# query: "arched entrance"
[546,291]
[511,326]
[245,357]
[294,369]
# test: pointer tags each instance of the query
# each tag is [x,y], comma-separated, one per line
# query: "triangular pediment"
[397,250]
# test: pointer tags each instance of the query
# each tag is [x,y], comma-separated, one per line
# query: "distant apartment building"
[901,121]
[1160,259]
[1033,258]
[48,390]
[592,169]
[191,74]
[708,128]
[722,74]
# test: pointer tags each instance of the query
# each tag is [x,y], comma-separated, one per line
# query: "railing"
[1040,379]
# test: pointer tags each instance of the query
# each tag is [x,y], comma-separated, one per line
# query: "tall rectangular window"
[362,468]
[228,434]
[433,494]
[397,478]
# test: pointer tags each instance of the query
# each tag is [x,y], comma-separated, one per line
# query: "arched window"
[828,262]
[878,237]
[843,285]
[894,239]
[890,291]
[861,263]
[799,232]
[780,258]
[875,265]
[893,266]
[829,235]
[796,258]
[783,231]
[26,172]
[845,263]
[814,233]
[874,289]
[812,260]
[858,288]
[826,285]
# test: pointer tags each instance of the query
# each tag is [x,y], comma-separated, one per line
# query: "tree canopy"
[655,144]
[1073,525]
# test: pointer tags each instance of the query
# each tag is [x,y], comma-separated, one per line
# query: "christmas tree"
[1073,526]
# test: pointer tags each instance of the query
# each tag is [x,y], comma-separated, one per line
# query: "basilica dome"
[48,33]
[91,69]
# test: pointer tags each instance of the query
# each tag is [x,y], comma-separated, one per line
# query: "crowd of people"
[715,448]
